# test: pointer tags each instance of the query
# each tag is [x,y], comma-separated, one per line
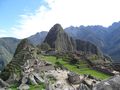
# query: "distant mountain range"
[105,38]
[38,38]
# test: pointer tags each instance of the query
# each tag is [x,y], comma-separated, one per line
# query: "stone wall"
[103,70]
[47,68]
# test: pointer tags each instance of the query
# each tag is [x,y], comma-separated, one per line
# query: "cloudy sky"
[22,18]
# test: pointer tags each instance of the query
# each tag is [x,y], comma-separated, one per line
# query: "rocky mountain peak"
[56,28]
[23,45]
[24,51]
[58,39]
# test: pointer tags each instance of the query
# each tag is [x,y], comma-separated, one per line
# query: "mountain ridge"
[106,38]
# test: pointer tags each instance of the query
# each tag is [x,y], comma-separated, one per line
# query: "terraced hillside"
[84,69]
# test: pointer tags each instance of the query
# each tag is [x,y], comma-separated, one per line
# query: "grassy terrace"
[32,87]
[82,70]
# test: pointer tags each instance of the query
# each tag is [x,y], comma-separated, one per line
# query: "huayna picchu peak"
[58,39]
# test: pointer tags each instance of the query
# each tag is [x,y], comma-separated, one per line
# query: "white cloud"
[3,33]
[67,13]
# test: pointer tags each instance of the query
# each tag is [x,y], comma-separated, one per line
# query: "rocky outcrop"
[73,78]
[23,87]
[83,87]
[112,83]
[66,80]
[58,39]
[3,83]
[116,66]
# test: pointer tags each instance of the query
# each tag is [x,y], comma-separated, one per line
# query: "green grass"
[37,87]
[32,87]
[41,86]
[83,70]
[14,87]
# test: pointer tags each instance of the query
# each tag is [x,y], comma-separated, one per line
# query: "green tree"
[44,46]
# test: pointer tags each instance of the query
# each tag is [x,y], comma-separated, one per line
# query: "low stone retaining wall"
[103,70]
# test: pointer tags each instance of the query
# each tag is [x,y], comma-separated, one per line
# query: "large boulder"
[112,83]
[3,84]
[23,87]
[83,87]
[73,78]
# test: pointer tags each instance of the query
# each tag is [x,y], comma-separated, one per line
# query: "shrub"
[44,46]
[58,65]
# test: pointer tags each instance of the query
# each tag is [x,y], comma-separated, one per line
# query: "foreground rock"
[111,84]
[73,78]
[3,83]
[23,87]
[83,87]
[62,82]
[66,80]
